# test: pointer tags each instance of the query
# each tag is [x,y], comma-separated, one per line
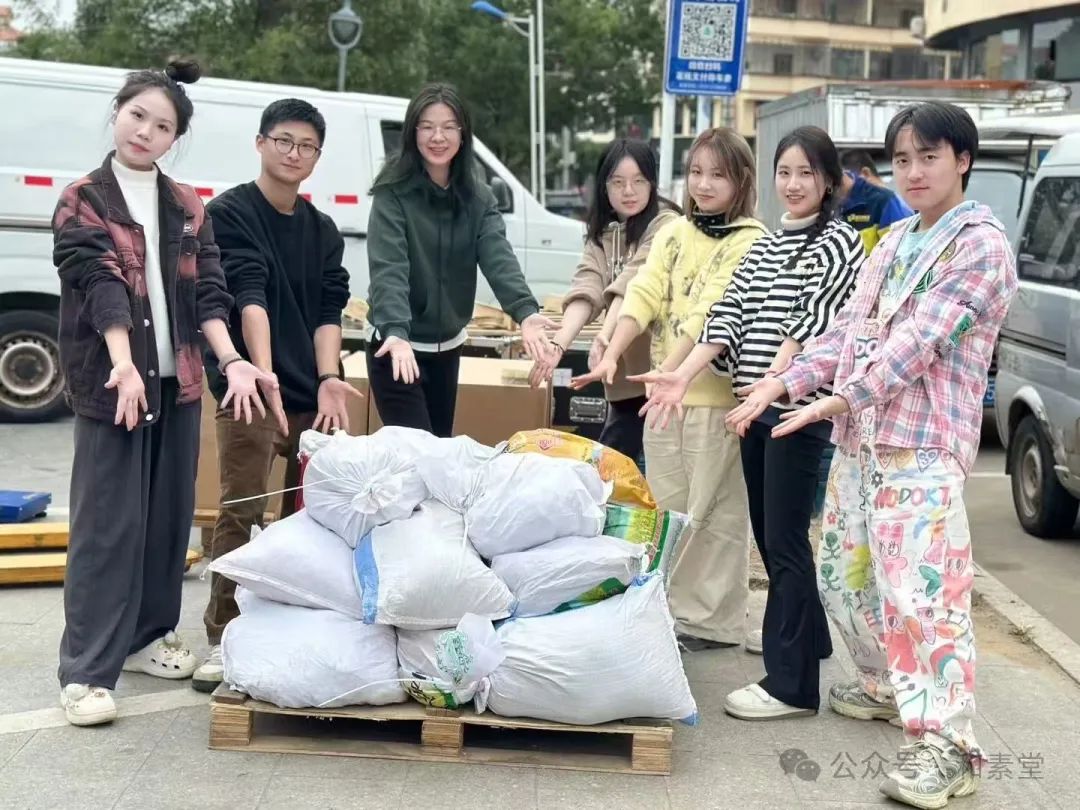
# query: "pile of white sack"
[452,572]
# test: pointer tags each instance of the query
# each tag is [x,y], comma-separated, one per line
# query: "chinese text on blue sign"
[706,42]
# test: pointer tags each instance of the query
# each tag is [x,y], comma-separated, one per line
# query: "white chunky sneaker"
[929,773]
[850,700]
[210,673]
[167,657]
[754,703]
[87,705]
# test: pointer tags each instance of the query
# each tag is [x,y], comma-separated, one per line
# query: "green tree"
[602,63]
[602,56]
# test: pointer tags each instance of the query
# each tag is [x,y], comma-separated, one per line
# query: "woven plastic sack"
[444,668]
[570,572]
[630,486]
[353,484]
[609,661]
[295,561]
[658,531]
[298,658]
[527,500]
[422,573]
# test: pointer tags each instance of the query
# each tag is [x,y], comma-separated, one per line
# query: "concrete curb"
[1028,623]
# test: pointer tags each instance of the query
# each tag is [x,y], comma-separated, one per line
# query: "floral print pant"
[895,575]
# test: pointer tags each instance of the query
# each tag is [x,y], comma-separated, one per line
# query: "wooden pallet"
[410,731]
[29,536]
[34,553]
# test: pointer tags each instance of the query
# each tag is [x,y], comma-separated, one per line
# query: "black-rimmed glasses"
[285,145]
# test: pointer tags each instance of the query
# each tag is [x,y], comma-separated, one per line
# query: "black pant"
[781,483]
[427,404]
[132,501]
[624,430]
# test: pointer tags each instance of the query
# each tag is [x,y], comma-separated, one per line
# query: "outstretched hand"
[756,398]
[666,391]
[604,372]
[793,421]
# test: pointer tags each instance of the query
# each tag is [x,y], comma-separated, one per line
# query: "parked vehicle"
[857,115]
[1038,380]
[55,129]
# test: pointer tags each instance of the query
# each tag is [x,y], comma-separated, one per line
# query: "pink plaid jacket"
[927,378]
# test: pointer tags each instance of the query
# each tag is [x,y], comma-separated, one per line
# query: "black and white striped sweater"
[785,286]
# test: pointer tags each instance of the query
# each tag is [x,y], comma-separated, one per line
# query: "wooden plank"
[224,694]
[31,536]
[230,727]
[32,568]
[465,737]
[47,568]
[651,751]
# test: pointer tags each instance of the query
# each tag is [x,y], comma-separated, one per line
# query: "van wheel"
[31,380]
[1043,506]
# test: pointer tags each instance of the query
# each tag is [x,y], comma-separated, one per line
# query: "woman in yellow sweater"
[693,464]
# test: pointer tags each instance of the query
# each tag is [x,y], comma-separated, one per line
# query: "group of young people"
[155,289]
[733,358]
[736,358]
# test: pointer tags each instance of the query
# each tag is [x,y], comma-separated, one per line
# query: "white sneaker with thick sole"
[850,700]
[167,657]
[930,773]
[754,703]
[752,642]
[210,673]
[87,705]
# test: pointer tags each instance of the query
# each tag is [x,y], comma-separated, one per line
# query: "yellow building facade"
[794,45]
[1008,39]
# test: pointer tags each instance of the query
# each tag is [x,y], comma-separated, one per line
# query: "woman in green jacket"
[431,224]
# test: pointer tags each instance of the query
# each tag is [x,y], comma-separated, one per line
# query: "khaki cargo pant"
[694,466]
[245,455]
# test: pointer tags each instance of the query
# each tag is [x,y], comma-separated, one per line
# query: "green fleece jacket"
[424,245]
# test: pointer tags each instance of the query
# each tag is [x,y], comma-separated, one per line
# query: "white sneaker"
[87,705]
[167,657]
[210,673]
[752,642]
[929,773]
[754,703]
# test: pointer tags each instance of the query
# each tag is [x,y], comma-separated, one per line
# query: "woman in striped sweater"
[787,289]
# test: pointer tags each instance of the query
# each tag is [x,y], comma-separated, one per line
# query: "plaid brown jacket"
[99,252]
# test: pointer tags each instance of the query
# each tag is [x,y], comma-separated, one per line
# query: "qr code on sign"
[707,31]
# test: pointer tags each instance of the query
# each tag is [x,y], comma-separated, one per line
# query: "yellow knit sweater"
[685,274]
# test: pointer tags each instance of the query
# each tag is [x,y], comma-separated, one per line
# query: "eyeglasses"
[429,130]
[619,184]
[305,150]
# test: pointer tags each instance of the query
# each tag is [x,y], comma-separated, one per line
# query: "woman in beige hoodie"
[625,214]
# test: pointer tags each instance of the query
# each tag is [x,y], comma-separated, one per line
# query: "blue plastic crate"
[15,507]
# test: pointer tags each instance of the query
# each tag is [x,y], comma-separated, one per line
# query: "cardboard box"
[494,401]
[208,483]
[355,366]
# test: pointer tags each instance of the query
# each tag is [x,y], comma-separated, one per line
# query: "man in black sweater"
[282,261]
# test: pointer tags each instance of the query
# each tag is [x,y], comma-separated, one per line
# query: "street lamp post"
[532,28]
[345,27]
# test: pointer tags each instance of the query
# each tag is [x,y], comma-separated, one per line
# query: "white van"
[55,129]
[1038,381]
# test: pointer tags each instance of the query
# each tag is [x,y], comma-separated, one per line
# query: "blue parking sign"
[706,40]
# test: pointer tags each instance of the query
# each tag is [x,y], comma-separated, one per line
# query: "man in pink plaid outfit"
[908,357]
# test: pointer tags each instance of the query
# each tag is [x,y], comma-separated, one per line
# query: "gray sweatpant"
[132,502]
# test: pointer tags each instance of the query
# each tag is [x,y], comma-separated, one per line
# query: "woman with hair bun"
[141,288]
